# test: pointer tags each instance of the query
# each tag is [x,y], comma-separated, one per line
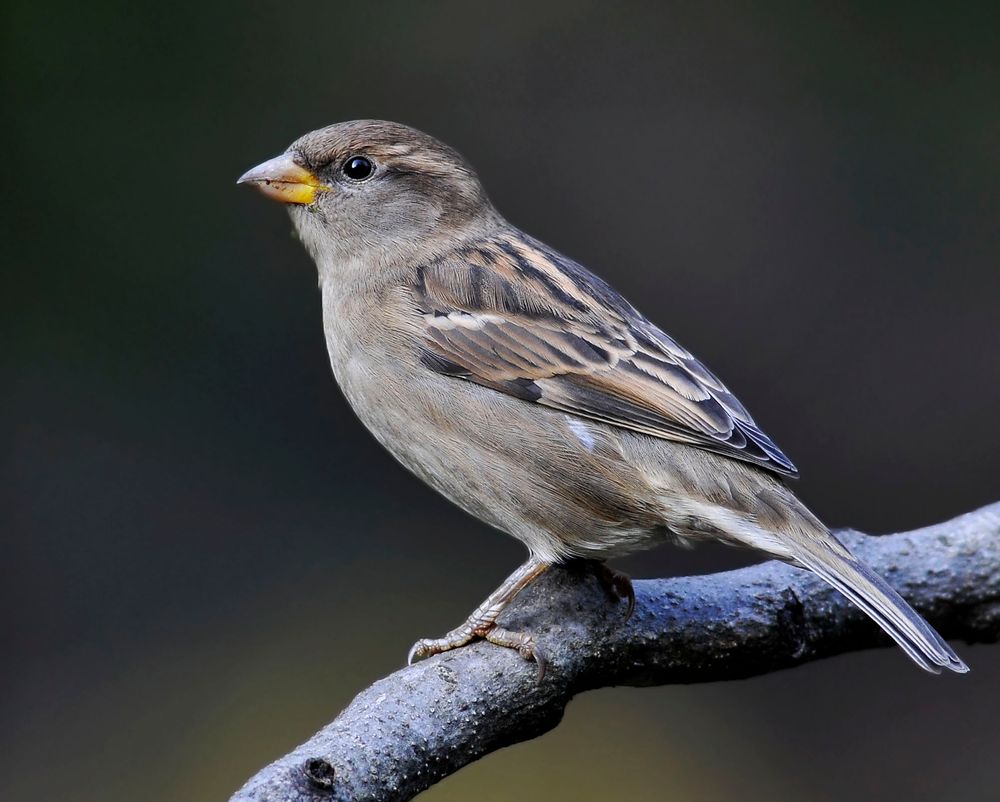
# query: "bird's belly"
[559,485]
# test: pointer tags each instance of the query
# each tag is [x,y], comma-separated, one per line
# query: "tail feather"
[886,607]
[764,514]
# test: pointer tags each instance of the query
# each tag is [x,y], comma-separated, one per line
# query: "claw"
[542,663]
[418,651]
[617,583]
[625,590]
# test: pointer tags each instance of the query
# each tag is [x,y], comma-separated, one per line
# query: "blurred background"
[205,556]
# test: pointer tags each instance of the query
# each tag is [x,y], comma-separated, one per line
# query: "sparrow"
[528,391]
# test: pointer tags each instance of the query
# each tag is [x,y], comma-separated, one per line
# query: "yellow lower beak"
[285,180]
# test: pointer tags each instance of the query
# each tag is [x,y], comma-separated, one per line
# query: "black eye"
[358,168]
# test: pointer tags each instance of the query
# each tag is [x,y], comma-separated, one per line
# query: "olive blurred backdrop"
[205,556]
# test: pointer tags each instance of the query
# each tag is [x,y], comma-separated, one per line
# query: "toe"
[521,642]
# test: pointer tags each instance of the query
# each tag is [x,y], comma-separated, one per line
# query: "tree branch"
[422,723]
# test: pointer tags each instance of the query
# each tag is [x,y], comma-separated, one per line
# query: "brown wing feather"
[512,315]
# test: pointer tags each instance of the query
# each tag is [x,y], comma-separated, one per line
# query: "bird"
[529,392]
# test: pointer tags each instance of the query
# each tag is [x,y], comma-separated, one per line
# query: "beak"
[283,179]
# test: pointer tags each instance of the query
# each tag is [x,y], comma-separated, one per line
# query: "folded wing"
[512,315]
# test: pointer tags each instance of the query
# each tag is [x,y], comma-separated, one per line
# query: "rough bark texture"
[422,723]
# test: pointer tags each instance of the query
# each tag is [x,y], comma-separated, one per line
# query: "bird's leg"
[617,583]
[482,622]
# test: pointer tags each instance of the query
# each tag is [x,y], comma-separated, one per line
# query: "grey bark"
[424,722]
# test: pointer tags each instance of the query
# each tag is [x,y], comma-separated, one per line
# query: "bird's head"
[370,189]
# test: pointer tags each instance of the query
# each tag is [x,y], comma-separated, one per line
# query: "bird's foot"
[483,623]
[521,642]
[617,584]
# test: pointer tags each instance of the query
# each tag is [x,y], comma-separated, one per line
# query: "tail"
[761,512]
[836,565]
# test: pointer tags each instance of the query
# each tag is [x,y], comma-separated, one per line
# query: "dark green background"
[205,556]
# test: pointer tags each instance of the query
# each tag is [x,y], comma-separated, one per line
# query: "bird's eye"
[358,168]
